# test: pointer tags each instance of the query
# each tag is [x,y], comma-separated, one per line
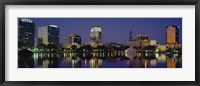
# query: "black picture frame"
[97,2]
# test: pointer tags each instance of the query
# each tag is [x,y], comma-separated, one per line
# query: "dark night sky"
[113,29]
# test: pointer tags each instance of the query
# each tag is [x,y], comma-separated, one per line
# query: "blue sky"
[113,29]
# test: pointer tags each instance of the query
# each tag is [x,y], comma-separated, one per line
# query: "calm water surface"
[101,60]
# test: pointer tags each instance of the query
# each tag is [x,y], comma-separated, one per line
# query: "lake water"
[101,60]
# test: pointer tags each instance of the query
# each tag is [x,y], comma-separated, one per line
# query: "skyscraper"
[48,34]
[172,35]
[26,31]
[74,39]
[96,34]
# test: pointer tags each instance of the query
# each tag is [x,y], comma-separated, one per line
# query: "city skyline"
[113,43]
[119,27]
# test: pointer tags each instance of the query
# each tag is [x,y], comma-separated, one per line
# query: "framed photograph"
[107,42]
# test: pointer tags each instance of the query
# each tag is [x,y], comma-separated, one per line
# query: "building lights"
[27,20]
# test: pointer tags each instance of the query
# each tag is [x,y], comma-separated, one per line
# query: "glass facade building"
[26,31]
[48,35]
[74,39]
[96,34]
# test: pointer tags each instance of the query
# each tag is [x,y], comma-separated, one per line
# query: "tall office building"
[26,31]
[142,37]
[48,34]
[95,36]
[172,35]
[74,39]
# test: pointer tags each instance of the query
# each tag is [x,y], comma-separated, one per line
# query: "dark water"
[96,60]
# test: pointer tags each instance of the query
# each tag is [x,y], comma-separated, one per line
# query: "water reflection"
[101,60]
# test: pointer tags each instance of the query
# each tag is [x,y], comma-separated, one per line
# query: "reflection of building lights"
[157,55]
[153,62]
[146,54]
[70,54]
[35,56]
[162,57]
[92,63]
[69,60]
[171,63]
[95,54]
[100,62]
[175,55]
[51,54]
[127,62]
[64,54]
[85,62]
[73,63]
[41,54]
[145,63]
[156,50]
[45,63]
[100,54]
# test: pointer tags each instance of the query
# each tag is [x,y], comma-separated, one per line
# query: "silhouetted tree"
[22,45]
